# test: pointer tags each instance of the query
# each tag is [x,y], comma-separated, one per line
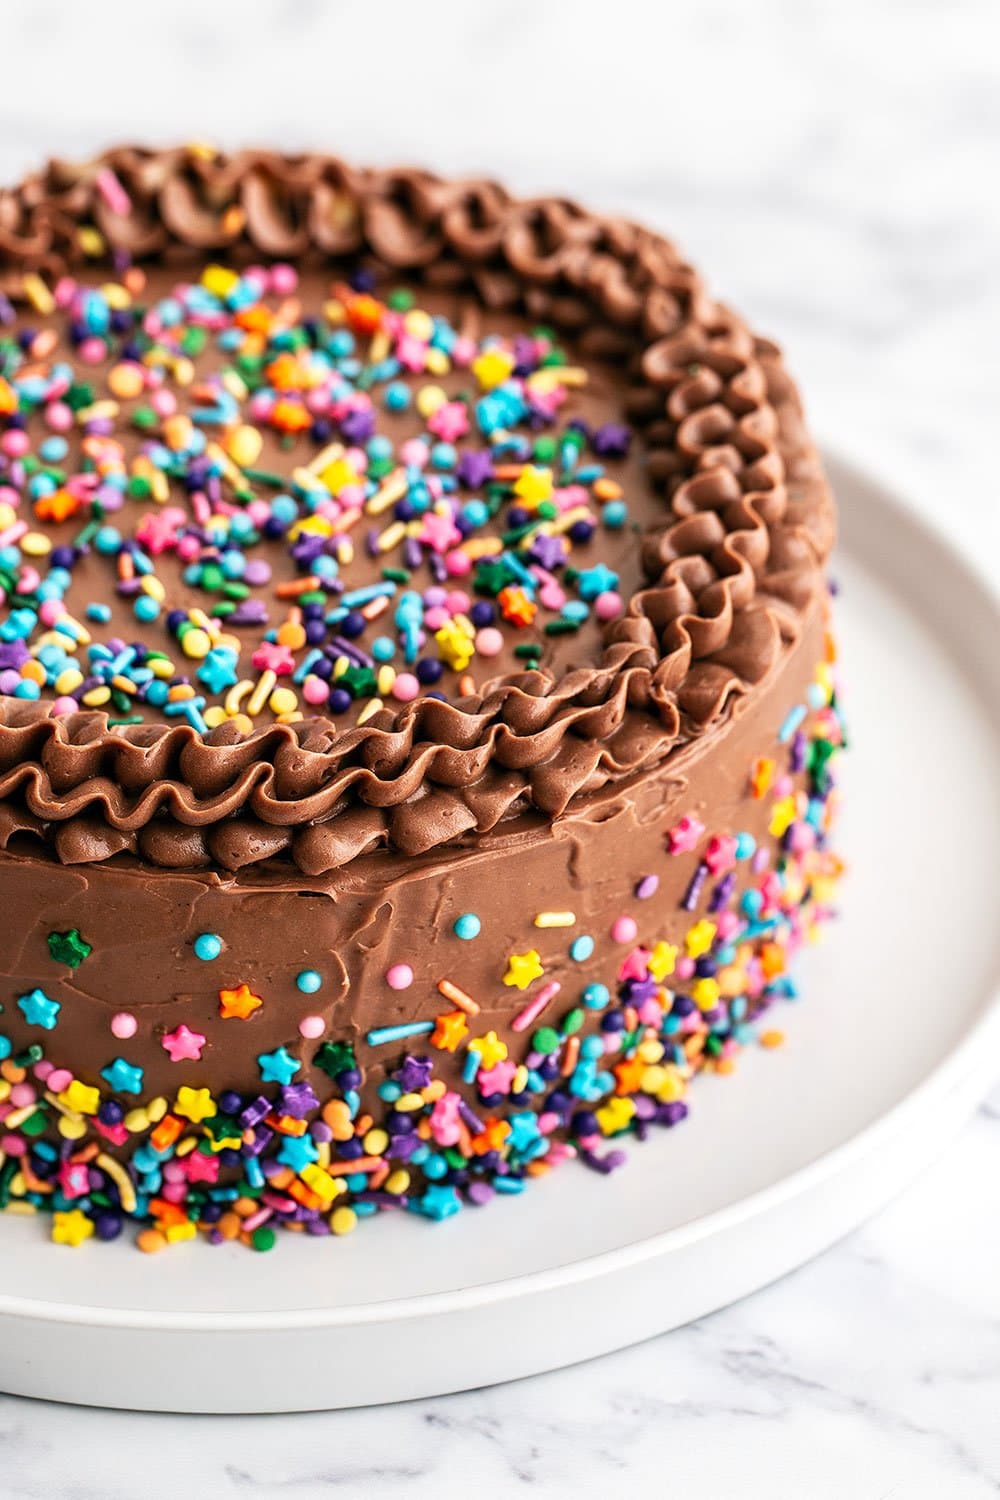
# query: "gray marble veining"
[833,167]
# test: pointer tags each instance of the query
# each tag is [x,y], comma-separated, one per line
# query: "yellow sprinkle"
[429,399]
[555,919]
[71,1228]
[283,701]
[392,488]
[70,1128]
[68,681]
[397,1182]
[265,687]
[196,644]
[215,715]
[391,536]
[551,376]
[38,294]
[436,362]
[419,323]
[153,586]
[374,707]
[324,458]
[343,1220]
[97,697]
[90,240]
[81,1098]
[384,680]
[234,698]
[175,1232]
[120,1178]
[34,544]
[244,445]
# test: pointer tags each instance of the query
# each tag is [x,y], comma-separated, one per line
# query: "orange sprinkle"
[296,586]
[458,997]
[771,1039]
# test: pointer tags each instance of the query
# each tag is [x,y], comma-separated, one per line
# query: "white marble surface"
[834,167]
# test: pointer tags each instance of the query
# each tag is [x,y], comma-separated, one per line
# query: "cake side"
[190,1050]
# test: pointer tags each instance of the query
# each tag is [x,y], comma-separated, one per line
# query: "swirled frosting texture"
[729,575]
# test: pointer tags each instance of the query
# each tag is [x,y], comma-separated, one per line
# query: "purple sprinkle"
[693,891]
[648,886]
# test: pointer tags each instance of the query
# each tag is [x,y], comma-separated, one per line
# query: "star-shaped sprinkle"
[496,1080]
[183,1045]
[195,1104]
[684,836]
[699,938]
[39,1010]
[278,1066]
[239,1003]
[522,968]
[440,1201]
[71,1228]
[596,580]
[629,1075]
[68,948]
[297,1151]
[123,1077]
[449,1030]
[491,1050]
[661,960]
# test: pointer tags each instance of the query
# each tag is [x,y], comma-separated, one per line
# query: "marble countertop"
[832,167]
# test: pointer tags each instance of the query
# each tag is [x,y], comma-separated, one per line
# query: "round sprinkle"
[468,926]
[399,977]
[624,930]
[309,981]
[581,948]
[207,945]
[312,1027]
[647,886]
[124,1025]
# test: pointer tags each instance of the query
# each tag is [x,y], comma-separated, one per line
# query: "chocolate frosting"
[728,580]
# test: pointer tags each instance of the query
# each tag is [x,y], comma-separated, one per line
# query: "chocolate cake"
[417,702]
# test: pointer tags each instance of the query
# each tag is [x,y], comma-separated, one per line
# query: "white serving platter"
[896,1040]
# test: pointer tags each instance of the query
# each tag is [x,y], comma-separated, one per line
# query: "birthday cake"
[417,699]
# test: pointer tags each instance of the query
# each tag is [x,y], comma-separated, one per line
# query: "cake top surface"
[344,508]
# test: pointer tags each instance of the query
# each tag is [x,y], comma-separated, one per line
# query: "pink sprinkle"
[59,416]
[92,351]
[15,443]
[312,1027]
[315,690]
[624,930]
[63,706]
[51,610]
[58,1080]
[284,279]
[399,977]
[406,687]
[414,451]
[458,564]
[534,1008]
[608,606]
[114,195]
[124,1024]
[489,641]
